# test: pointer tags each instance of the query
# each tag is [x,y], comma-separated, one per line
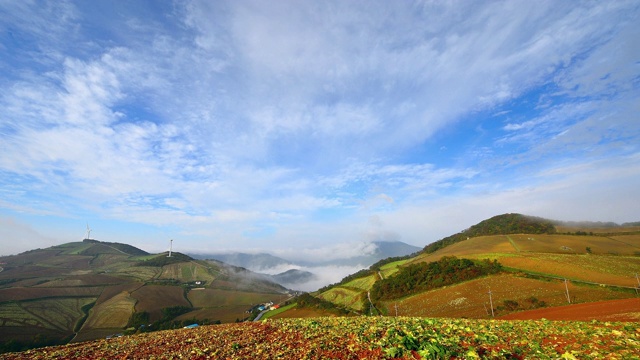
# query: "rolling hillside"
[536,255]
[86,290]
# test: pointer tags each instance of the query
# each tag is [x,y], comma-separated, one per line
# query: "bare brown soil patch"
[613,310]
[153,298]
[227,314]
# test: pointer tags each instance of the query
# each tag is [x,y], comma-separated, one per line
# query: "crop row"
[367,337]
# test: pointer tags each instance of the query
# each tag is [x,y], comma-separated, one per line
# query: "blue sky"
[307,128]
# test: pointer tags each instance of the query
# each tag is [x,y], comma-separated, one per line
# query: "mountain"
[90,289]
[264,262]
[381,250]
[294,277]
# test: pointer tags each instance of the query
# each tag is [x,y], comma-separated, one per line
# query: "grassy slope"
[613,260]
[120,279]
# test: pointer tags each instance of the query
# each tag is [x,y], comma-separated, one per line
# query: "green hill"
[90,289]
[497,225]
[535,259]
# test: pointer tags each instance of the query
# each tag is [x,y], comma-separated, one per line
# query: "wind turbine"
[170,247]
[88,231]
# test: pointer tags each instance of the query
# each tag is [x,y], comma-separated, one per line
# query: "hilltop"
[90,289]
[497,225]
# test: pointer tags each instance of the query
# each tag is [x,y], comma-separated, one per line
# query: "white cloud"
[16,235]
[295,123]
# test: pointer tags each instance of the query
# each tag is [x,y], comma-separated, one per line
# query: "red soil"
[613,310]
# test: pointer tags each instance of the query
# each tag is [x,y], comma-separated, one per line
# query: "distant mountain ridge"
[293,274]
[294,277]
[383,250]
[255,262]
[264,261]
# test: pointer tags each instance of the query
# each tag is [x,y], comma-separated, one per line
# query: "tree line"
[415,278]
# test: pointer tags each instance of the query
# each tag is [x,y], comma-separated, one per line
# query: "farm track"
[513,243]
[624,242]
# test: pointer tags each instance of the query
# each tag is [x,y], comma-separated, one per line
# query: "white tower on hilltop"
[88,232]
[170,247]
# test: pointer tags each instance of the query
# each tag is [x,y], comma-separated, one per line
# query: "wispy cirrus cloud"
[235,123]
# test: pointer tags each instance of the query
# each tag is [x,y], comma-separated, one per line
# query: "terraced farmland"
[346,297]
[112,313]
[51,317]
[471,299]
[363,283]
[391,268]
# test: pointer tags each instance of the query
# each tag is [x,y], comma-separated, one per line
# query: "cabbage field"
[367,337]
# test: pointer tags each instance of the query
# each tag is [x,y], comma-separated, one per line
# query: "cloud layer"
[304,125]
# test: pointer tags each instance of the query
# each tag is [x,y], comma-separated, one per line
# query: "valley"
[90,290]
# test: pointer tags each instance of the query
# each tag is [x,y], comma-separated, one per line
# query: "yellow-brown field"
[113,313]
[471,299]
[478,245]
[573,244]
[598,230]
[610,270]
[633,240]
[205,298]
